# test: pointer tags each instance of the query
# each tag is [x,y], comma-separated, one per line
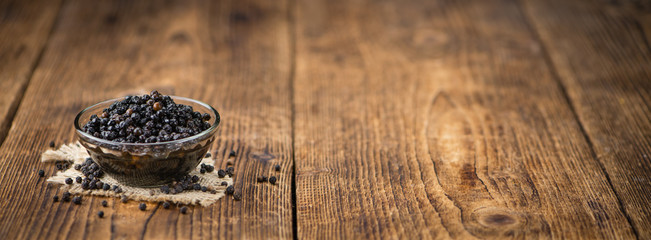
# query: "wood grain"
[234,55]
[603,61]
[24,30]
[438,119]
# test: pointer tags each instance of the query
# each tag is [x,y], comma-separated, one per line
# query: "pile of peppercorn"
[147,119]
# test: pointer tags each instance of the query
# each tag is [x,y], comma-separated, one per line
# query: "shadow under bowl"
[148,164]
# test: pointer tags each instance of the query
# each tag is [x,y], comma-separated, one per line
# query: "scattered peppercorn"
[65,197]
[208,155]
[68,180]
[142,206]
[196,186]
[277,167]
[195,178]
[146,119]
[78,179]
[100,214]
[184,209]
[204,189]
[221,173]
[230,171]
[262,179]
[62,165]
[76,200]
[232,154]
[166,205]
[124,199]
[237,196]
[52,144]
[165,189]
[106,187]
[41,173]
[272,180]
[55,198]
[104,203]
[224,183]
[230,189]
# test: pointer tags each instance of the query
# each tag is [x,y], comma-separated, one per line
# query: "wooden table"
[391,119]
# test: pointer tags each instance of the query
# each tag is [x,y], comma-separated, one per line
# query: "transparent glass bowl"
[148,164]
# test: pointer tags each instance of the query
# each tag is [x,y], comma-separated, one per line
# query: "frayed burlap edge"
[77,154]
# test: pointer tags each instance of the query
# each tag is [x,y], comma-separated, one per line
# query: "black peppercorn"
[204,189]
[202,171]
[142,206]
[230,189]
[184,209]
[195,178]
[55,198]
[76,200]
[100,214]
[196,186]
[78,179]
[41,173]
[232,154]
[178,188]
[166,205]
[237,196]
[208,155]
[272,180]
[277,167]
[165,189]
[65,197]
[106,187]
[262,179]
[104,203]
[221,173]
[224,183]
[124,199]
[68,180]
[52,144]
[146,119]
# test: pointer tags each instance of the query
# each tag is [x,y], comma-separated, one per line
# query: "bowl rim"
[181,140]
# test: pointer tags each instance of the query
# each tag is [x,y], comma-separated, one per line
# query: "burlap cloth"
[77,154]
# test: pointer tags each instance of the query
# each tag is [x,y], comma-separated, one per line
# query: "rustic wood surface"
[228,54]
[391,119]
[605,67]
[24,30]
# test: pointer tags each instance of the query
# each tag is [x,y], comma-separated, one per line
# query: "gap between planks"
[291,30]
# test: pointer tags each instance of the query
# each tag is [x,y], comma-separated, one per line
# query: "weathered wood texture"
[602,59]
[235,55]
[411,119]
[24,29]
[436,119]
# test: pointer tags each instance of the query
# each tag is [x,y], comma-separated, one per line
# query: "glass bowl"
[148,164]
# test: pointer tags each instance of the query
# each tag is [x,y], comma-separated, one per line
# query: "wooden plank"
[233,55]
[24,29]
[602,59]
[438,119]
